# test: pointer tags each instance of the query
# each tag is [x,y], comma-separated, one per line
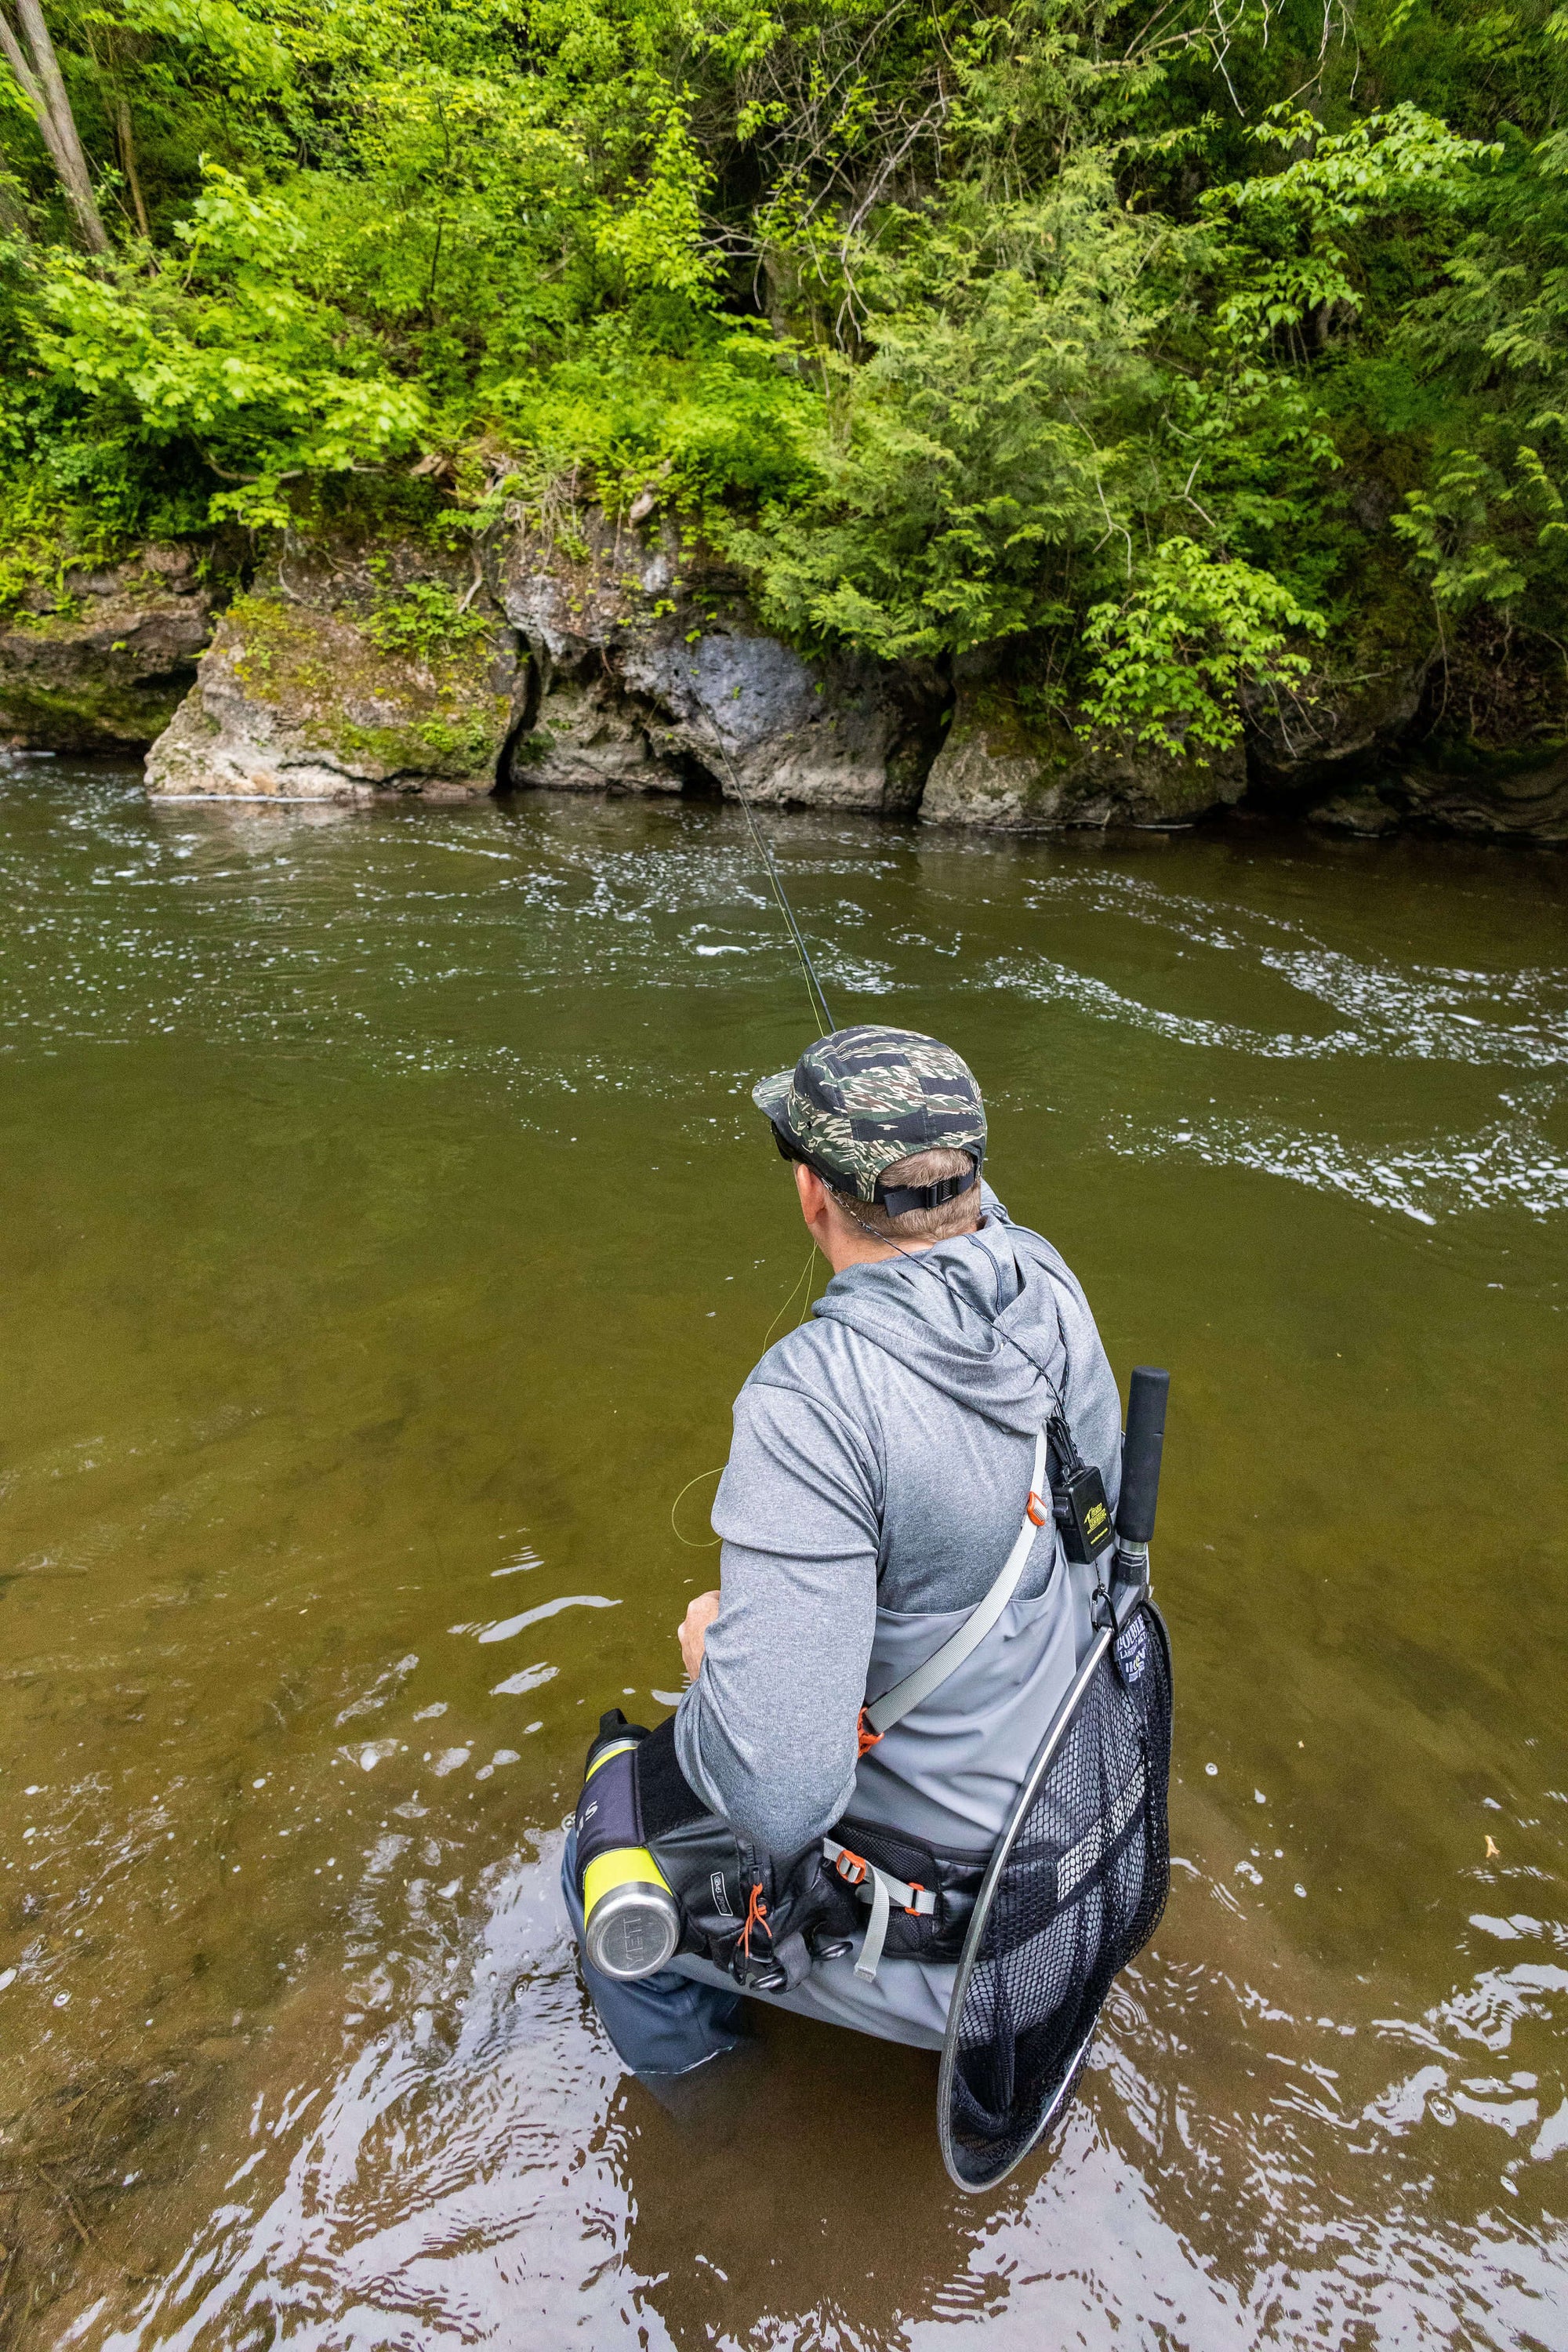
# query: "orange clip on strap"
[913,1905]
[1037,1509]
[756,1917]
[852,1867]
[866,1740]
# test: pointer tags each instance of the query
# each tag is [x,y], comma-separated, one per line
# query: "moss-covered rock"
[654,675]
[97,658]
[999,769]
[334,681]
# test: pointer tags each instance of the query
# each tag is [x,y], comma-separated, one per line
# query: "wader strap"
[871,1957]
[881,1890]
[895,1703]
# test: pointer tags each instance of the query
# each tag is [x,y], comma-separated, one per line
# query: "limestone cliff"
[605,658]
[97,657]
[652,674]
[342,680]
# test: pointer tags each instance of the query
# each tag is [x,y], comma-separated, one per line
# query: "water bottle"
[631,1919]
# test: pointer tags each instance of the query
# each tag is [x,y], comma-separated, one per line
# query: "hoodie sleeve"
[766,1735]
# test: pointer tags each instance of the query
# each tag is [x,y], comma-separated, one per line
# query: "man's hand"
[694,1629]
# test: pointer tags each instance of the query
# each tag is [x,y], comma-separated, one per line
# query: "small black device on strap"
[1078,1502]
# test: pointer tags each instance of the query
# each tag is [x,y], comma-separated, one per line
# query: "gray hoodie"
[882,1458]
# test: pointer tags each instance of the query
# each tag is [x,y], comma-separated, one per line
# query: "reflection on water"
[389,1230]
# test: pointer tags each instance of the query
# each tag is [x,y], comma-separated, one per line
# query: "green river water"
[386,1231]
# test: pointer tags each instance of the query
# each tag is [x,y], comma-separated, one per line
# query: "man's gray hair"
[959,1215]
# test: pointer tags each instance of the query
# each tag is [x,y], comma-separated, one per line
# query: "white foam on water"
[1428,1012]
[1507,1165]
[1049,982]
[1399,1016]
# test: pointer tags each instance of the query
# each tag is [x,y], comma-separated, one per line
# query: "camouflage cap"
[865,1098]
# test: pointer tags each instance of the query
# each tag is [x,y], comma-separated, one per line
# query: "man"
[886,1464]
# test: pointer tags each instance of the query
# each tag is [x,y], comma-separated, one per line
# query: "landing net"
[1076,1891]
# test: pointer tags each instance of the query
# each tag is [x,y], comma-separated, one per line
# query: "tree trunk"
[33,62]
[128,164]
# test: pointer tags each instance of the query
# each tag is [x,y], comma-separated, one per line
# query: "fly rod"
[820,1014]
[825,1021]
[826,1026]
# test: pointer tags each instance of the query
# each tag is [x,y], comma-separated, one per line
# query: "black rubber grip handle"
[1140,1451]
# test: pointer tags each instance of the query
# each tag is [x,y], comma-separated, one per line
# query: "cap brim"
[770,1094]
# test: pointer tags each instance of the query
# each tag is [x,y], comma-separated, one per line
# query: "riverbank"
[624,659]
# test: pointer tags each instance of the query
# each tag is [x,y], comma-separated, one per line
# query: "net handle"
[1148,1391]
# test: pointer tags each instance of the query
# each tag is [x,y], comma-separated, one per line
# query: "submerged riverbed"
[387,1230]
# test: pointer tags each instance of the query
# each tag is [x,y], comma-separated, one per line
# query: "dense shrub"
[1179,346]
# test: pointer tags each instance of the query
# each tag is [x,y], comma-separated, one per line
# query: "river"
[387,1230]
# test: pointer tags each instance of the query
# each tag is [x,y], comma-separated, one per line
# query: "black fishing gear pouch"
[761,1917]
[952,1877]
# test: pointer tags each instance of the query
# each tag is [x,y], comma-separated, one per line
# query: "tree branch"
[126,141]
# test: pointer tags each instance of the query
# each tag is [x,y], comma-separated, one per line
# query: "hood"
[977,1317]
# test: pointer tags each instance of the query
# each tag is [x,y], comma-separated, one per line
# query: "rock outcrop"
[99,658]
[347,680]
[1522,796]
[1303,745]
[607,659]
[993,771]
[1479,746]
[652,674]
[1461,790]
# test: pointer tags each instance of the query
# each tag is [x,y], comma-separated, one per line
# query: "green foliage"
[1157,344]
[1171,655]
[964,460]
[424,618]
[1293,231]
[230,348]
[34,548]
[1474,532]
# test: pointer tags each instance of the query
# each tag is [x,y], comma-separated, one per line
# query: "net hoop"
[1132,1598]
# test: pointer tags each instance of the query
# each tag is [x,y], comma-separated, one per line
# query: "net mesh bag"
[1079,1892]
